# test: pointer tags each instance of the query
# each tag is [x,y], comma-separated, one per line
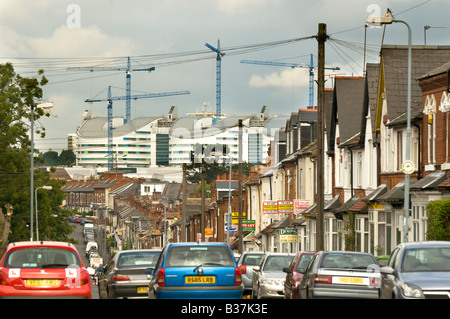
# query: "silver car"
[246,263]
[341,274]
[268,276]
[419,270]
[124,277]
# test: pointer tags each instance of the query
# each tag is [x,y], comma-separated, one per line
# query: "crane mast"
[220,54]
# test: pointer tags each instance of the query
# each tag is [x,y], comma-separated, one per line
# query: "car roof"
[197,243]
[26,244]
[121,252]
[279,254]
[422,244]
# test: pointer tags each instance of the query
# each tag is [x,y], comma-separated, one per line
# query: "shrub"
[438,220]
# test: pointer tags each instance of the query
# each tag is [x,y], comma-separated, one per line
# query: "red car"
[43,269]
[294,274]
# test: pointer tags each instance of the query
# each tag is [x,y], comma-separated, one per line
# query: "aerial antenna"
[425,28]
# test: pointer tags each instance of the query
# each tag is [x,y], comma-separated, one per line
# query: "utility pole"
[183,209]
[202,221]
[241,241]
[321,38]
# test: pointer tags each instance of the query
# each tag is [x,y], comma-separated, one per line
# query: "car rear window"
[252,259]
[148,258]
[42,257]
[347,261]
[186,256]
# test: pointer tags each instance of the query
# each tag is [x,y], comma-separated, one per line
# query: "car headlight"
[412,291]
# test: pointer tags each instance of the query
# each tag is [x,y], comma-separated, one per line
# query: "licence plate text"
[200,280]
[142,290]
[42,282]
[350,280]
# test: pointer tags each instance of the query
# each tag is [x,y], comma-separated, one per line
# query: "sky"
[170,35]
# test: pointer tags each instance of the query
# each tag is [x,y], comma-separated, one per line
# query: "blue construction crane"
[110,100]
[295,65]
[127,70]
[220,54]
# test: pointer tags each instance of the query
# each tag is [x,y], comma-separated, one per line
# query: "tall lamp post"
[408,165]
[40,106]
[35,198]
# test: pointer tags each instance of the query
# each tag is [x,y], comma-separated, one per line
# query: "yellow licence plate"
[43,282]
[142,290]
[350,280]
[200,280]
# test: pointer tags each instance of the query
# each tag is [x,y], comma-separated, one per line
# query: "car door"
[289,282]
[304,283]
[256,275]
[388,280]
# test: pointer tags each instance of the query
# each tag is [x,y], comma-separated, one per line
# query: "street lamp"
[35,197]
[39,106]
[407,166]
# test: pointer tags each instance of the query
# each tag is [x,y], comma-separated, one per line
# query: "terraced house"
[365,148]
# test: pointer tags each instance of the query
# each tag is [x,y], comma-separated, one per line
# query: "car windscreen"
[426,259]
[347,261]
[42,257]
[277,263]
[186,256]
[252,259]
[141,258]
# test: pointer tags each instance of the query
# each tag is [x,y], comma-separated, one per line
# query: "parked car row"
[414,270]
[209,270]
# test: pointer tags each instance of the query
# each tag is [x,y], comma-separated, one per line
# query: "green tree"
[51,158]
[438,220]
[17,95]
[67,158]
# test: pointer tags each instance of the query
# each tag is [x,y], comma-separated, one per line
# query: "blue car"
[195,270]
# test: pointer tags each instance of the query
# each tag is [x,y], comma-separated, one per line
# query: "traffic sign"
[232,229]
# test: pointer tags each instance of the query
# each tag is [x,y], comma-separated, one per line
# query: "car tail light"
[375,282]
[120,277]
[162,277]
[243,269]
[85,277]
[322,279]
[237,276]
[4,281]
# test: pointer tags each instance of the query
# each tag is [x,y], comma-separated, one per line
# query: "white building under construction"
[169,140]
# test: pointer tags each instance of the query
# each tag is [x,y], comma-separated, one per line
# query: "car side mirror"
[257,269]
[387,270]
[287,270]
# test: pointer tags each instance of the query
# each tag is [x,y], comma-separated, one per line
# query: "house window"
[399,150]
[359,168]
[445,108]
[362,234]
[430,111]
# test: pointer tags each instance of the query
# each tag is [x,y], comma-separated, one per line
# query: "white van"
[89,245]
